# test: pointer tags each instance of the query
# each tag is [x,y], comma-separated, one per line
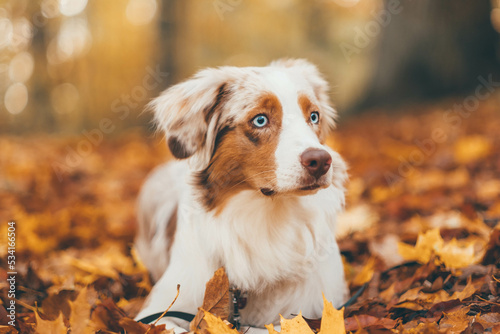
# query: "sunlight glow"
[21,67]
[140,12]
[16,98]
[72,7]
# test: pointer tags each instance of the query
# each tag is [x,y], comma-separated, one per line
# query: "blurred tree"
[431,49]
[170,12]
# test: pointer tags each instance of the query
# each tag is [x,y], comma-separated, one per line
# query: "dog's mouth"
[267,191]
[311,187]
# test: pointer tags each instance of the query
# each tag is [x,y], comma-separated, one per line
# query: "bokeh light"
[50,8]
[22,34]
[21,67]
[72,40]
[16,98]
[140,12]
[6,31]
[72,7]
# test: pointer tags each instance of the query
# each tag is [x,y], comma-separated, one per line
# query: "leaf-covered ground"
[420,229]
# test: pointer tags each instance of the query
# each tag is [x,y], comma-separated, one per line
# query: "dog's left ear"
[319,85]
[189,112]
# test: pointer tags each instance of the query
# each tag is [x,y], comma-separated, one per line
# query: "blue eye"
[260,121]
[314,117]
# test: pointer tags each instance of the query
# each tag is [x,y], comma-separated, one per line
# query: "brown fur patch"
[307,107]
[243,156]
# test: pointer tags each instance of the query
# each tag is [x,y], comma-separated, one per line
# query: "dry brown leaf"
[455,322]
[7,330]
[215,301]
[362,321]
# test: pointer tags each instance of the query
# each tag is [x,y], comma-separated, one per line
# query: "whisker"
[248,178]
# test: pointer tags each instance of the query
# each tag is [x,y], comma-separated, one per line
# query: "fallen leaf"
[453,254]
[7,330]
[50,326]
[455,322]
[215,301]
[366,274]
[80,314]
[362,321]
[215,325]
[332,320]
[295,325]
[471,148]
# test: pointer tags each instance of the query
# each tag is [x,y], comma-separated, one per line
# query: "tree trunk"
[432,49]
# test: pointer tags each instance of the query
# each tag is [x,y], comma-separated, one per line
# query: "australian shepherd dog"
[254,189]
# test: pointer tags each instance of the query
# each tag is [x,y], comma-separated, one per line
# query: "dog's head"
[261,128]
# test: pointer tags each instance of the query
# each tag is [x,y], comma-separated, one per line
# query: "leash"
[238,301]
[174,314]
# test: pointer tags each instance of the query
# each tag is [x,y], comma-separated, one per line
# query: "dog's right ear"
[189,111]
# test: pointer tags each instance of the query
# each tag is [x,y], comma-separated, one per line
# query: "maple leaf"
[215,325]
[215,301]
[80,314]
[50,326]
[455,321]
[332,322]
[453,254]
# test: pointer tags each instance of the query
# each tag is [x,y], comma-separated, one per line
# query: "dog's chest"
[261,245]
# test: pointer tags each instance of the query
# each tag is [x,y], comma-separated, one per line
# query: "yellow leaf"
[453,254]
[80,314]
[50,326]
[471,148]
[366,274]
[296,325]
[271,330]
[427,244]
[215,325]
[332,321]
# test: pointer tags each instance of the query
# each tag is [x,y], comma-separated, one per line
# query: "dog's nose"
[316,161]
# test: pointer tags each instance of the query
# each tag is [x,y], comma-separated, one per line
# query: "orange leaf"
[50,326]
[215,301]
[332,320]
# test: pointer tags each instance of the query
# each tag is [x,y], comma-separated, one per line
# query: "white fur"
[281,250]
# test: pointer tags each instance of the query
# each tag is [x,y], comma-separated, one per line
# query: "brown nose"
[316,161]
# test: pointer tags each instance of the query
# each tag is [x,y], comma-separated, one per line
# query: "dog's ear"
[188,111]
[319,85]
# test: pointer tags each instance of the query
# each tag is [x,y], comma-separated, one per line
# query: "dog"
[254,189]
